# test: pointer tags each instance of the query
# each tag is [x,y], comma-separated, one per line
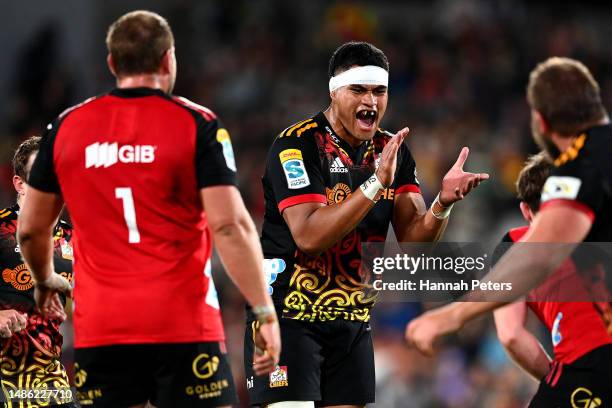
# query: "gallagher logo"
[107,154]
[338,194]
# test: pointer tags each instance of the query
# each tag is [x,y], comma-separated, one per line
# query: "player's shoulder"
[515,234]
[8,221]
[299,139]
[198,110]
[587,150]
[303,129]
[8,214]
[575,169]
[72,110]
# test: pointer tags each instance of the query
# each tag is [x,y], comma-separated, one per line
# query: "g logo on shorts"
[204,366]
[583,398]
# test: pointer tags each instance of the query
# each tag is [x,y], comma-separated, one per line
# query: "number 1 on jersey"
[129,213]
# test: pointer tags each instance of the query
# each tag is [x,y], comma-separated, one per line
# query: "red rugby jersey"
[576,327]
[129,165]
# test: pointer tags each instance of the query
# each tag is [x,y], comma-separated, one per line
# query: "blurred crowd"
[458,76]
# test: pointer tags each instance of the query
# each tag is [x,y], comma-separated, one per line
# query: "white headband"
[366,75]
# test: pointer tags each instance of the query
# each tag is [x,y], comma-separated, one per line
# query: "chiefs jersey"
[34,353]
[576,327]
[130,165]
[16,285]
[582,178]
[308,162]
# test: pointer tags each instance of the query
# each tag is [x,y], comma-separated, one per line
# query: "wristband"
[444,213]
[264,314]
[371,187]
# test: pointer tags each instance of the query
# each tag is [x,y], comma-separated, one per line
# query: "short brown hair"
[137,42]
[22,155]
[565,93]
[531,179]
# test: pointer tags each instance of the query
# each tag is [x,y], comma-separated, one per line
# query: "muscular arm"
[237,242]
[550,226]
[316,227]
[521,345]
[412,222]
[36,221]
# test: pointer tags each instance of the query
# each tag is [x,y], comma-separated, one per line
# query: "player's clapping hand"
[388,158]
[11,321]
[458,183]
[267,348]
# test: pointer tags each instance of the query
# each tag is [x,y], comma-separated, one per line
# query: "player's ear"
[167,61]
[540,122]
[111,64]
[19,184]
[526,211]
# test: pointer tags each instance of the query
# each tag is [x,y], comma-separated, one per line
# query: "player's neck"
[153,81]
[565,142]
[339,128]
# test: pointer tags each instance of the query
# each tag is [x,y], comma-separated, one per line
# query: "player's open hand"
[458,183]
[423,331]
[267,348]
[11,322]
[388,158]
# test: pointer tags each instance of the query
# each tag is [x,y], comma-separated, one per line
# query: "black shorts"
[168,375]
[331,363]
[587,382]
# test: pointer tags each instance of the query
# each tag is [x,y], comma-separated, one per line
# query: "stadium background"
[458,75]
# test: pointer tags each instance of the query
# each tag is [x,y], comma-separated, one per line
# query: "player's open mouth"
[366,119]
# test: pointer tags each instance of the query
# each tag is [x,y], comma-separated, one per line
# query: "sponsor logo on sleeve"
[223,138]
[293,166]
[561,187]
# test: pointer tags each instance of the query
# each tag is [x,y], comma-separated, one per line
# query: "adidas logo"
[337,166]
[107,154]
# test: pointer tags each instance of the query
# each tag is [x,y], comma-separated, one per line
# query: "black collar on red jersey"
[137,92]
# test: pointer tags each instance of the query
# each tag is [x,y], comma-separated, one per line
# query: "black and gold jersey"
[16,284]
[30,359]
[308,162]
[582,178]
